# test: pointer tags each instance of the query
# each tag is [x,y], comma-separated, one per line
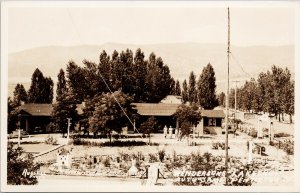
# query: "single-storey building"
[163,113]
[36,117]
[211,122]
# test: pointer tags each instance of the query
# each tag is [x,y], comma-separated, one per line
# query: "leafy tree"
[20,94]
[187,116]
[185,95]
[17,163]
[65,106]
[177,89]
[108,116]
[207,88]
[12,115]
[61,84]
[144,81]
[173,87]
[288,99]
[249,95]
[280,80]
[76,79]
[139,72]
[186,130]
[148,127]
[192,88]
[264,82]
[93,80]
[116,71]
[163,81]
[105,71]
[221,99]
[41,88]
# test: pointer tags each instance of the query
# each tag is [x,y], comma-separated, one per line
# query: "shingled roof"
[155,109]
[37,109]
[213,113]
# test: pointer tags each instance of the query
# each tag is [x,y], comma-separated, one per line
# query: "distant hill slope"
[181,58]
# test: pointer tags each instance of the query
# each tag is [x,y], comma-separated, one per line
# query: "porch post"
[26,125]
[134,128]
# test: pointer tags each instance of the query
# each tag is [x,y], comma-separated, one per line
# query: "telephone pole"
[227,101]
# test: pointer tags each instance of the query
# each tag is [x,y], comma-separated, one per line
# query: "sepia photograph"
[149,96]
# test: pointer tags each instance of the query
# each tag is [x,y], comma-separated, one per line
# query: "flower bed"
[286,144]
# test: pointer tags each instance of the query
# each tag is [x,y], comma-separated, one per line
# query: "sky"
[30,27]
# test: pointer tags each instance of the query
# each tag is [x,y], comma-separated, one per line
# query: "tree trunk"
[279,117]
[282,116]
[149,139]
[291,121]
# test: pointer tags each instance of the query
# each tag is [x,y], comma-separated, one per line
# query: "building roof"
[213,113]
[172,99]
[37,109]
[155,109]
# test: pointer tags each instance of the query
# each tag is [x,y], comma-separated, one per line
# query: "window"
[212,122]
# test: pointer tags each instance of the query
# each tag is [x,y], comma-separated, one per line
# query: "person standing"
[170,132]
[165,131]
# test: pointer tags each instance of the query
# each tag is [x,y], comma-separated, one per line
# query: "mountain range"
[182,58]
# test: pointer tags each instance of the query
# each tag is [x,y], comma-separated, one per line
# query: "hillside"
[182,58]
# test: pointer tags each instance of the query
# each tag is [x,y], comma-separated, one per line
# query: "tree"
[185,95]
[187,116]
[221,99]
[139,73]
[186,130]
[41,88]
[192,88]
[65,106]
[177,88]
[173,87]
[18,164]
[288,99]
[104,72]
[61,84]
[207,88]
[280,80]
[249,95]
[76,79]
[12,115]
[20,94]
[148,127]
[111,113]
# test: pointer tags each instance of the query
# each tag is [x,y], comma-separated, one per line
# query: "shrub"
[253,133]
[215,146]
[51,140]
[106,162]
[17,163]
[161,155]
[152,158]
[78,141]
[281,135]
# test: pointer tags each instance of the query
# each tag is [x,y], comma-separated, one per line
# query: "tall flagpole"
[227,100]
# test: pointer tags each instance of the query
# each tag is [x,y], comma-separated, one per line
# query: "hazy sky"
[32,27]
